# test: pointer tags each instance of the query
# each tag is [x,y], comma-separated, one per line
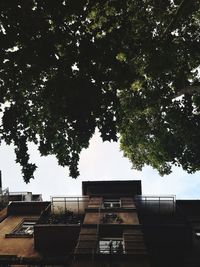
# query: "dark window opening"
[25,229]
[197,233]
[111,246]
[111,203]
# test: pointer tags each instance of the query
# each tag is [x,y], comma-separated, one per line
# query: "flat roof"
[116,187]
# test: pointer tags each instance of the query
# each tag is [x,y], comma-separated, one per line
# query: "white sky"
[102,161]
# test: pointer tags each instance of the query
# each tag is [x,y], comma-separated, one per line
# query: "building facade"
[111,225]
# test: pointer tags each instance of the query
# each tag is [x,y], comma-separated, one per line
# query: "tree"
[128,68]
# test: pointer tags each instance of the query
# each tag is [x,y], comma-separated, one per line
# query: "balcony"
[77,205]
[161,205]
[59,225]
[65,210]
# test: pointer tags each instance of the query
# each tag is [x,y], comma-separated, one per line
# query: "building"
[111,225]
[6,196]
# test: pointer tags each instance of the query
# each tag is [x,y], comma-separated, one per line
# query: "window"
[24,229]
[197,233]
[111,203]
[111,246]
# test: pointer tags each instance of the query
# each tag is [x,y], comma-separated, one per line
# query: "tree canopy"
[129,68]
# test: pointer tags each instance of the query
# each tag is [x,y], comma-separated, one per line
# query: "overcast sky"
[101,161]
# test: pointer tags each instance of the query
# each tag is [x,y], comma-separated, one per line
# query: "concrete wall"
[87,242]
[56,238]
[22,247]
[127,217]
[111,188]
[21,208]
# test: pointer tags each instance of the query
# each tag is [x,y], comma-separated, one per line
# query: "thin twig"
[174,19]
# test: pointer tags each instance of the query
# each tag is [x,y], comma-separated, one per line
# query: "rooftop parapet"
[112,188]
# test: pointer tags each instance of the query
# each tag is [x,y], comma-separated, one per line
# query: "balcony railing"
[61,205]
[65,210]
[156,204]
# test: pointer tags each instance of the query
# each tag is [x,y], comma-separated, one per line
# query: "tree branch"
[174,19]
[189,90]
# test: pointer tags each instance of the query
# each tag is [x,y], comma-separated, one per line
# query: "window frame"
[111,250]
[26,223]
[111,203]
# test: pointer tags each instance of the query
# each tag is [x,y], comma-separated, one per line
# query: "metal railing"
[19,193]
[156,204]
[77,205]
[65,210]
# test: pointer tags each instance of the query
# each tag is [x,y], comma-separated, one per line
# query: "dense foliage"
[128,68]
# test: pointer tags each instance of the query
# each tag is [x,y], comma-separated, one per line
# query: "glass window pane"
[111,246]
